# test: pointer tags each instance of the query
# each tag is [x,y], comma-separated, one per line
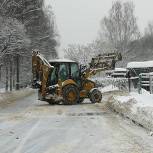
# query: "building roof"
[120,69]
[61,61]
[144,64]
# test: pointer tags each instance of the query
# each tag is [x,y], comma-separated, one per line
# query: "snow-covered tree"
[13,45]
[26,25]
[38,20]
[12,36]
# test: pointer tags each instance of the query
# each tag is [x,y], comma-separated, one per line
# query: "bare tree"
[120,26]
[149,29]
[80,53]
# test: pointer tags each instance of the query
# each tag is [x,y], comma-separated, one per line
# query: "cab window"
[63,72]
[74,71]
[54,78]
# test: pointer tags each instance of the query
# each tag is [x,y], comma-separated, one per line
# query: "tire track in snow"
[22,143]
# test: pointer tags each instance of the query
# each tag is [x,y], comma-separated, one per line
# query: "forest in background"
[119,32]
[25,25]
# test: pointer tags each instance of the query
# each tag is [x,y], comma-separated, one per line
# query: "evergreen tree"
[38,26]
[39,22]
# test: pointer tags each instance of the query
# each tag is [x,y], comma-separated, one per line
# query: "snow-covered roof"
[61,60]
[120,69]
[144,64]
[115,74]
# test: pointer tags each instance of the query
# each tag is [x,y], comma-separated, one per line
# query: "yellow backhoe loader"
[66,81]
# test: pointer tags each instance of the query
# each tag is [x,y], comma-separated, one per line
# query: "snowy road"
[31,126]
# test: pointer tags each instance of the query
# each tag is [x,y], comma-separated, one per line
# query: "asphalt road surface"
[32,126]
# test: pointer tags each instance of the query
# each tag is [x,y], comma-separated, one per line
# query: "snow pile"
[8,97]
[109,88]
[137,107]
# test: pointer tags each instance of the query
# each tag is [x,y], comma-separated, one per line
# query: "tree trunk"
[13,74]
[6,84]
[17,72]
[10,76]
[0,73]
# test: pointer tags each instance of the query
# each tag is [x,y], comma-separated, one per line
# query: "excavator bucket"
[106,61]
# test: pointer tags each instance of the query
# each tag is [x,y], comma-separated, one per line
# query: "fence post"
[139,84]
[151,82]
[129,83]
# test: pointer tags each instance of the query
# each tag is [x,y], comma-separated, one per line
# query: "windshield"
[74,71]
[63,72]
[54,78]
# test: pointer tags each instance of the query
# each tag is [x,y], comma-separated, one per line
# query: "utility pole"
[17,72]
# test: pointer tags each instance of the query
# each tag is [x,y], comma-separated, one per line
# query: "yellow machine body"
[64,80]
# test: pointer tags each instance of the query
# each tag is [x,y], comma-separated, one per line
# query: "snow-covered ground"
[32,126]
[2,90]
[7,97]
[137,107]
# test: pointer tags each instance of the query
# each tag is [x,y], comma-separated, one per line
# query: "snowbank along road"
[32,126]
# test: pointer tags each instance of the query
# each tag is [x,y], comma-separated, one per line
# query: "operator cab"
[64,69]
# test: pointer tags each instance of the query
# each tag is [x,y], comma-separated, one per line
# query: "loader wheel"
[80,100]
[70,95]
[95,96]
[40,97]
[51,102]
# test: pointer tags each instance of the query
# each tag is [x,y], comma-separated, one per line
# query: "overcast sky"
[78,21]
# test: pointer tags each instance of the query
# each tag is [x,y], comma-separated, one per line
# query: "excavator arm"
[100,63]
[40,69]
[107,60]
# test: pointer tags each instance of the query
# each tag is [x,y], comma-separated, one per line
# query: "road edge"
[140,116]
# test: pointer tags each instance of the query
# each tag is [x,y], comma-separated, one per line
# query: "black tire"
[80,100]
[51,101]
[40,97]
[70,95]
[95,96]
